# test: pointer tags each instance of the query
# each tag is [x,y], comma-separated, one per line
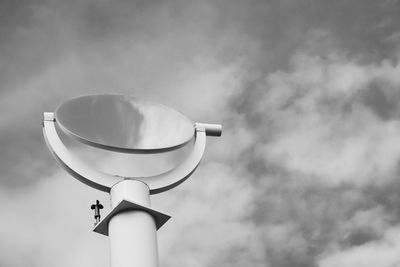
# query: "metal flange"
[126,205]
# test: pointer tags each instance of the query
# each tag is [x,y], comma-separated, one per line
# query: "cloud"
[305,172]
[212,209]
[46,224]
[320,143]
[323,112]
[378,253]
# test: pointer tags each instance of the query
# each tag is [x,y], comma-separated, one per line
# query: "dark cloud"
[361,236]
[383,98]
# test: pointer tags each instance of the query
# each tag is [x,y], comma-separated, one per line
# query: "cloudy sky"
[306,173]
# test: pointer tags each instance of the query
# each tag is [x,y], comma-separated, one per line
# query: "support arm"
[165,181]
[70,163]
[103,181]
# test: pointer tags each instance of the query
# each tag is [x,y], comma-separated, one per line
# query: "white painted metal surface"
[210,129]
[77,168]
[126,205]
[133,240]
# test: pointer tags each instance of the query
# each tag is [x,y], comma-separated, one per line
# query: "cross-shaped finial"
[96,207]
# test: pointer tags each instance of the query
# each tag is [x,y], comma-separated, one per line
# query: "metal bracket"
[104,181]
[125,205]
[71,164]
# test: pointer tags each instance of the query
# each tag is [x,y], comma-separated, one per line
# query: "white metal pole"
[133,239]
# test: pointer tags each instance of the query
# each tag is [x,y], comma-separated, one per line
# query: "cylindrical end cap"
[210,129]
[48,116]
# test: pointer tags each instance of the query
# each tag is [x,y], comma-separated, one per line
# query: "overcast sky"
[307,170]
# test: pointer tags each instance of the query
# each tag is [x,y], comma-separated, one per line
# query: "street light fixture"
[128,125]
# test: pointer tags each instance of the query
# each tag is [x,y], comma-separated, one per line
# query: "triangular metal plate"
[124,205]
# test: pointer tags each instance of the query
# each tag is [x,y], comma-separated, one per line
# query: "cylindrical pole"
[133,239]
